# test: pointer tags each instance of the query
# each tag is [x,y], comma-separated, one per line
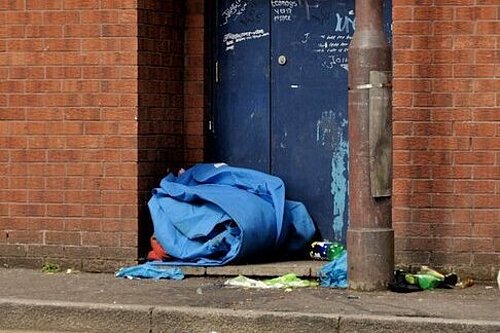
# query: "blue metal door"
[240,124]
[281,98]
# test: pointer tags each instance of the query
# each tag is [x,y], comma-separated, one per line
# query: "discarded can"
[326,250]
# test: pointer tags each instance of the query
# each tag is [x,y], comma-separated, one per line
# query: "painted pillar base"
[371,258]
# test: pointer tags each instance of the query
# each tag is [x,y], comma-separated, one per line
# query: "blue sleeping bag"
[213,214]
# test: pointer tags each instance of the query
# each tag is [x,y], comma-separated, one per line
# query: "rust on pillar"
[370,238]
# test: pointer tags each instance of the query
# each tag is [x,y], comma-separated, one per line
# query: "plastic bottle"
[427,281]
[334,251]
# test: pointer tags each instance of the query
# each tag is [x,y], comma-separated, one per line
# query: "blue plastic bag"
[334,274]
[151,270]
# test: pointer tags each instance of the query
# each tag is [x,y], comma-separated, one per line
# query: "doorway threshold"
[302,268]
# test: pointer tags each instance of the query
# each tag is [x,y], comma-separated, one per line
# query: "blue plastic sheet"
[213,214]
[151,270]
[334,274]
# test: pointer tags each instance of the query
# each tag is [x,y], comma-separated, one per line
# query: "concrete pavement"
[83,302]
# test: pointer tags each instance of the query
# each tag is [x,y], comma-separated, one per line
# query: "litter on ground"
[289,280]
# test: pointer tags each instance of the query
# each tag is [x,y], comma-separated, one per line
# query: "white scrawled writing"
[282,10]
[345,23]
[308,5]
[233,11]
[231,39]
[284,3]
[333,45]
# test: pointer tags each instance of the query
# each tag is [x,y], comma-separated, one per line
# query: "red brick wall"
[91,117]
[68,133]
[194,81]
[446,134]
[161,100]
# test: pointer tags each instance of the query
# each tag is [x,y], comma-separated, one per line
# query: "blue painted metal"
[307,129]
[240,124]
[309,103]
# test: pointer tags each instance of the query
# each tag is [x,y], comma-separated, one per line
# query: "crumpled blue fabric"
[334,273]
[151,270]
[213,214]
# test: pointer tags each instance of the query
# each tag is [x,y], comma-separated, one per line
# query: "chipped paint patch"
[331,133]
[324,126]
[339,189]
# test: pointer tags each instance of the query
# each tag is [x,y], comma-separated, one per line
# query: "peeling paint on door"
[339,187]
[331,133]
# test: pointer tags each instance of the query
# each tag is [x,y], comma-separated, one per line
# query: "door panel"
[241,124]
[309,108]
[281,98]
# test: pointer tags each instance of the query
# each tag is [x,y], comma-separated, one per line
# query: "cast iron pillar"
[370,238]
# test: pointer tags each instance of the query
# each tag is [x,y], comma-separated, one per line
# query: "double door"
[280,98]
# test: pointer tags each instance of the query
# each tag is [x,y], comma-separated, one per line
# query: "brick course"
[194,82]
[446,183]
[92,118]
[161,86]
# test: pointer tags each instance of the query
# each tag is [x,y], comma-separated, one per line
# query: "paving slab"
[306,268]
